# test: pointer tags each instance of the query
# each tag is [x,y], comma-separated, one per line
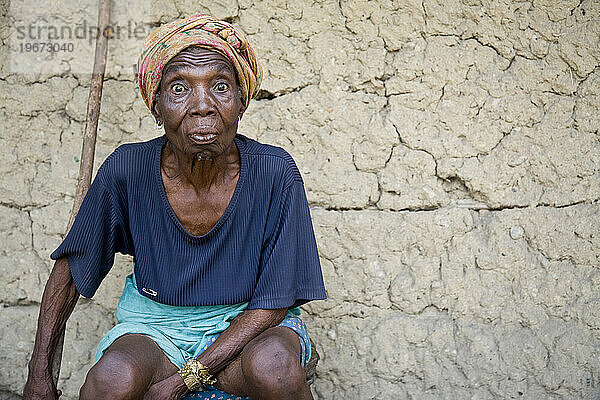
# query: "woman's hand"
[37,389]
[172,388]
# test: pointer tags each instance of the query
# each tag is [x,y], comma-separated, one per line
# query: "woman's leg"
[269,367]
[127,369]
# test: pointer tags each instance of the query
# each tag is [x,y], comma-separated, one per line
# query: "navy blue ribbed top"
[262,249]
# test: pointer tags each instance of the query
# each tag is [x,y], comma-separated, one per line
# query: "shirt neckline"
[232,203]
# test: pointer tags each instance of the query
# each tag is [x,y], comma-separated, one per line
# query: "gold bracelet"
[195,375]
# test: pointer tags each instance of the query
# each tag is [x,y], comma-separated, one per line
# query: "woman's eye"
[221,87]
[177,88]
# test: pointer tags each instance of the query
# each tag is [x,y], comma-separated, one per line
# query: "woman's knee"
[115,376]
[272,363]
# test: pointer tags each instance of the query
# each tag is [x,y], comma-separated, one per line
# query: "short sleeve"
[290,272]
[96,235]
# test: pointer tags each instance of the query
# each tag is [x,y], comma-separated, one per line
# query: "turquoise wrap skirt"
[185,332]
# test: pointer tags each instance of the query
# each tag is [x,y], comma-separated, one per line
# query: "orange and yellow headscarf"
[203,30]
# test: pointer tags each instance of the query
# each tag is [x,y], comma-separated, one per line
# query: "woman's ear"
[155,112]
[241,114]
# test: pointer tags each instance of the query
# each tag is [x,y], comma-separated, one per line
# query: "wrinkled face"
[199,103]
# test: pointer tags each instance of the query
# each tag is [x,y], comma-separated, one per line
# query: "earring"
[159,123]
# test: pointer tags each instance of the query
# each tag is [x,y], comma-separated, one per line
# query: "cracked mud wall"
[451,155]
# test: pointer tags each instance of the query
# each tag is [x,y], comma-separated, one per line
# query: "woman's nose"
[202,102]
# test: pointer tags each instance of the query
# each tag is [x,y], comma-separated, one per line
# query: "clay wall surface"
[450,151]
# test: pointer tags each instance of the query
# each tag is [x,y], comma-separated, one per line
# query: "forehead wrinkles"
[186,66]
[194,57]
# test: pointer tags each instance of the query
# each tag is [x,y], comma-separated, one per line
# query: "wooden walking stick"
[88,148]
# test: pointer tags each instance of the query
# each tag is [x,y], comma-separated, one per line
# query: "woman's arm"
[58,302]
[245,327]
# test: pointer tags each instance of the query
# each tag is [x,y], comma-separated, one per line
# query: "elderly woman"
[220,233]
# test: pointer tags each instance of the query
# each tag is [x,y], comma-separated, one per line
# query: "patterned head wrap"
[166,41]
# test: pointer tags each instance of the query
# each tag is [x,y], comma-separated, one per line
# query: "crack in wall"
[265,95]
[473,207]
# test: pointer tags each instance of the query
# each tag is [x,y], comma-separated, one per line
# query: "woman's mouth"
[202,138]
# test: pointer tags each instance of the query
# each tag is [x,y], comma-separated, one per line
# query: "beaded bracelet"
[195,375]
